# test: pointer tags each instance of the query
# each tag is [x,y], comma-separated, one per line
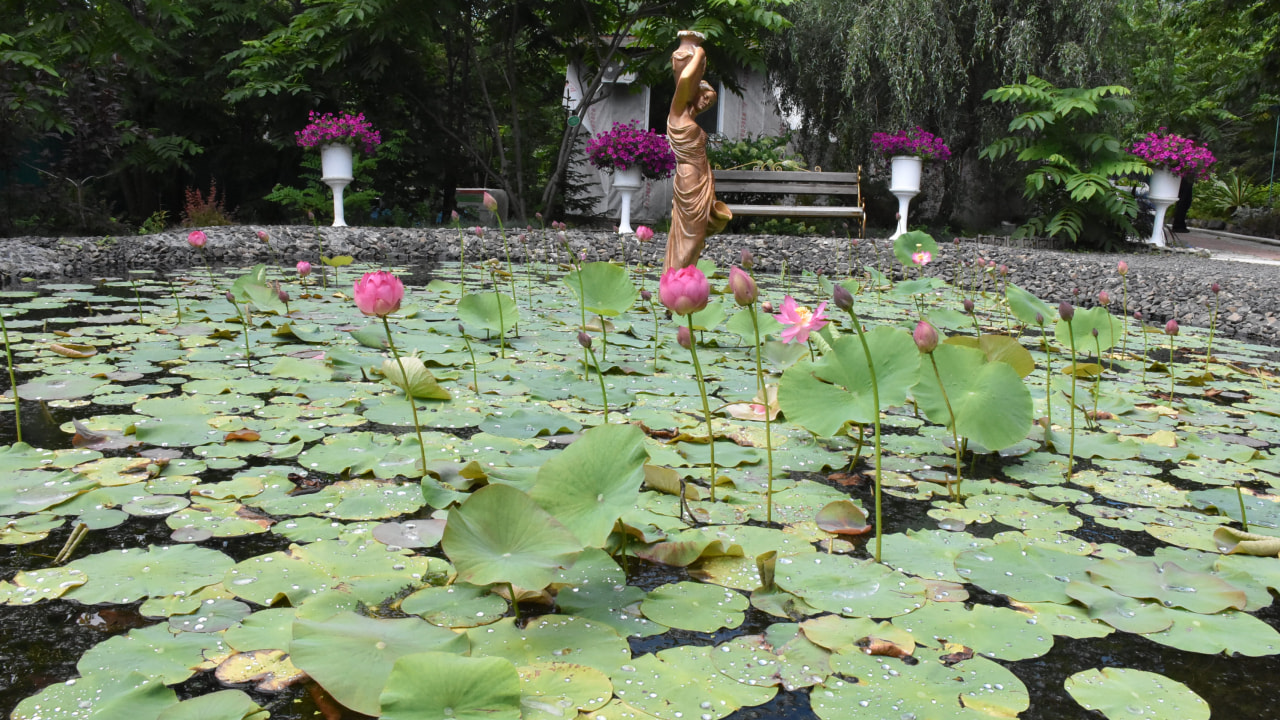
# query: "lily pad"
[500,535]
[695,606]
[108,696]
[1128,694]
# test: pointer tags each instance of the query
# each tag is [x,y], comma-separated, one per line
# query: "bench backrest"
[789,182]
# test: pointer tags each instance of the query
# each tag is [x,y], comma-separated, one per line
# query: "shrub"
[201,211]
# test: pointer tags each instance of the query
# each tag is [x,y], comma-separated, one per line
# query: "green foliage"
[155,223]
[758,152]
[1225,194]
[1063,133]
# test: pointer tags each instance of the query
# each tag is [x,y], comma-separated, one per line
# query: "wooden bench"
[789,182]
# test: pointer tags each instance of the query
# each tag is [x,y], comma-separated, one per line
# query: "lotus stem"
[511,275]
[1144,352]
[1124,308]
[1048,372]
[604,394]
[515,604]
[604,341]
[1208,350]
[75,538]
[1171,376]
[653,310]
[408,392]
[475,375]
[1097,384]
[13,381]
[1071,453]
[208,268]
[875,399]
[462,260]
[706,409]
[136,296]
[244,321]
[176,301]
[1244,518]
[768,430]
[955,437]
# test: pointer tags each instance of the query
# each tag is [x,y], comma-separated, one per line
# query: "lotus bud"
[1171,327]
[462,330]
[1039,319]
[744,288]
[1104,298]
[304,268]
[1122,267]
[282,294]
[684,290]
[490,202]
[378,293]
[925,336]
[646,296]
[968,306]
[956,241]
[1137,315]
[231,298]
[477,231]
[1215,288]
[263,236]
[538,215]
[1004,270]
[311,215]
[747,259]
[684,337]
[1095,332]
[197,238]
[561,238]
[842,298]
[855,242]
[584,339]
[453,216]
[1066,311]
[766,307]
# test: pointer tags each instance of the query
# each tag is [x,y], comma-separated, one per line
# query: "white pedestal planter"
[904,183]
[626,182]
[1163,192]
[336,172]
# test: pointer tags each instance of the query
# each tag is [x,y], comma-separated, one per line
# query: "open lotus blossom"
[800,321]
[644,233]
[378,293]
[684,290]
[924,257]
[197,238]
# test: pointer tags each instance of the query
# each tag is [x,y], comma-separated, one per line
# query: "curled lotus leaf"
[421,382]
[1128,694]
[1232,541]
[843,517]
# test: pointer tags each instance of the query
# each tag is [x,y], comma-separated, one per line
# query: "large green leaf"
[1026,306]
[1082,327]
[103,696]
[440,685]
[351,656]
[128,575]
[999,348]
[837,389]
[500,535]
[1127,694]
[597,478]
[991,404]
[421,384]
[604,288]
[907,244]
[482,310]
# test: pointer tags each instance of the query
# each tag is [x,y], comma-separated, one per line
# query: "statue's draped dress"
[695,211]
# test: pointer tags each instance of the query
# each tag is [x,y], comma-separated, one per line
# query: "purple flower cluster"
[626,146]
[918,142]
[1174,153]
[344,129]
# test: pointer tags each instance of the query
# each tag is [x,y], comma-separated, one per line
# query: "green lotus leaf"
[1128,694]
[991,631]
[31,491]
[422,384]
[356,453]
[907,244]
[782,656]
[850,587]
[683,682]
[975,689]
[21,456]
[1169,583]
[603,288]
[842,517]
[1231,632]
[1263,511]
[1065,620]
[60,387]
[130,574]
[500,535]
[1082,326]
[1026,573]
[1118,611]
[157,653]
[596,589]
[32,586]
[439,685]
[1026,306]
[917,287]
[740,324]
[310,370]
[591,483]
[252,287]
[104,696]
[999,348]
[219,705]
[352,656]
[492,311]
[929,554]
[705,319]
[530,423]
[695,606]
[459,605]
[211,616]
[823,396]
[553,691]
[552,638]
[992,406]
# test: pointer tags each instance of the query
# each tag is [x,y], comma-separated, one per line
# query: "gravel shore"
[1162,285]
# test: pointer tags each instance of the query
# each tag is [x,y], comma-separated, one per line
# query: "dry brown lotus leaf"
[74,350]
[667,480]
[872,645]
[955,654]
[270,670]
[244,434]
[1231,541]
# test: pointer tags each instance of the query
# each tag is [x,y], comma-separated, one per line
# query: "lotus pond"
[207,523]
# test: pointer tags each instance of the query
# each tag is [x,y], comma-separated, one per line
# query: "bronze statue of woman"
[695,212]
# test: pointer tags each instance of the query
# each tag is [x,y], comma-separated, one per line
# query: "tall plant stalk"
[408,392]
[1071,453]
[13,379]
[875,399]
[1048,370]
[955,437]
[706,409]
[768,430]
[475,374]
[1213,321]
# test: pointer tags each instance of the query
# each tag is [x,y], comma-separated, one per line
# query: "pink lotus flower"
[684,290]
[490,202]
[263,236]
[477,231]
[925,336]
[924,257]
[1122,267]
[644,233]
[453,216]
[1171,327]
[744,288]
[197,238]
[304,268]
[378,293]
[800,321]
[1104,298]
[684,337]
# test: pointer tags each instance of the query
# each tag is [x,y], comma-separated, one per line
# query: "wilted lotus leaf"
[990,631]
[1168,583]
[666,480]
[686,548]
[124,576]
[269,670]
[782,656]
[32,586]
[695,606]
[683,682]
[351,656]
[552,638]
[1231,632]
[220,705]
[108,695]
[211,616]
[1128,694]
[156,652]
[843,517]
[432,684]
[889,688]
[1118,611]
[1026,573]
[841,584]
[460,605]
[553,691]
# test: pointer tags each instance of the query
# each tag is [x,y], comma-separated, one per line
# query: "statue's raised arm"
[695,213]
